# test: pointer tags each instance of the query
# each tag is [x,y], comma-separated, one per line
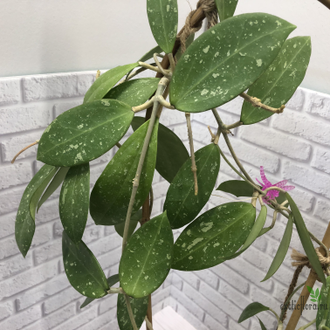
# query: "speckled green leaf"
[139,308]
[305,239]
[25,218]
[226,8]
[225,60]
[74,201]
[163,21]
[146,259]
[82,269]
[323,307]
[213,236]
[55,183]
[254,233]
[111,281]
[106,81]
[278,83]
[251,310]
[181,203]
[171,152]
[236,188]
[135,218]
[134,92]
[112,191]
[281,251]
[84,133]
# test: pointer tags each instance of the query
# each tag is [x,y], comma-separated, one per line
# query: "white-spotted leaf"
[84,133]
[82,269]
[226,8]
[213,236]
[74,201]
[225,60]
[147,257]
[25,218]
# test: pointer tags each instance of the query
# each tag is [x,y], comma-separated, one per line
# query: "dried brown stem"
[29,146]
[257,103]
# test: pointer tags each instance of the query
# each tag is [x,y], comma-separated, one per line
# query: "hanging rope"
[210,10]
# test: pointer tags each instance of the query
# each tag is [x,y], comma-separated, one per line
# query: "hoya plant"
[250,56]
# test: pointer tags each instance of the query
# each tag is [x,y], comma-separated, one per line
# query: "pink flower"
[272,194]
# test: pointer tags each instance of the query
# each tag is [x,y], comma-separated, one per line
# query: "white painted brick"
[56,318]
[160,189]
[189,277]
[181,131]
[7,225]
[12,145]
[257,258]
[63,298]
[191,305]
[318,104]
[15,174]
[253,155]
[231,276]
[170,117]
[191,318]
[234,325]
[321,160]
[59,108]
[21,320]
[212,324]
[8,247]
[322,210]
[236,297]
[208,277]
[234,106]
[37,294]
[107,303]
[9,199]
[250,272]
[15,265]
[19,283]
[24,118]
[106,244]
[266,137]
[307,178]
[10,92]
[220,301]
[304,200]
[203,299]
[297,100]
[55,86]
[177,281]
[79,320]
[160,295]
[110,259]
[316,130]
[6,310]
[48,212]
[48,252]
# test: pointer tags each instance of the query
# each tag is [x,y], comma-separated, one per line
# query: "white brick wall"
[34,292]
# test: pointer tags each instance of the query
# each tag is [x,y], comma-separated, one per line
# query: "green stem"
[130,312]
[161,87]
[307,325]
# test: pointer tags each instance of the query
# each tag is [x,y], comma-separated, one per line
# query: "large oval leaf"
[225,60]
[74,201]
[146,259]
[25,218]
[213,236]
[135,218]
[251,310]
[305,239]
[181,204]
[163,21]
[226,8]
[282,250]
[112,191]
[106,81]
[111,281]
[278,83]
[171,152]
[56,182]
[82,269]
[323,313]
[84,133]
[237,188]
[139,308]
[134,92]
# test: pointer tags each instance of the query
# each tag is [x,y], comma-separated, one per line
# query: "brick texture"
[34,291]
